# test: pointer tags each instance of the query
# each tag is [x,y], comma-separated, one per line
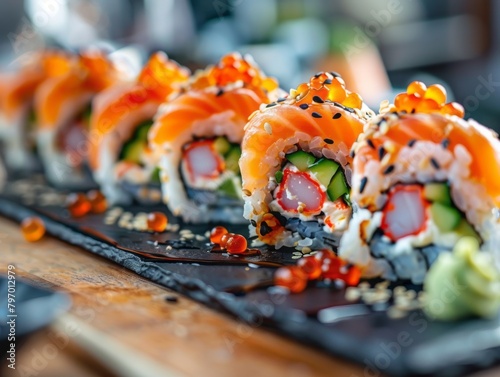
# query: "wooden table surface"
[182,338]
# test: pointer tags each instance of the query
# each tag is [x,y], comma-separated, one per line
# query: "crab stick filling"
[312,189]
[413,209]
[71,140]
[212,164]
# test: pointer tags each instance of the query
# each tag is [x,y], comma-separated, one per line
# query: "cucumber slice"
[132,151]
[232,159]
[464,229]
[141,132]
[155,175]
[230,188]
[279,176]
[438,192]
[337,187]
[222,145]
[301,159]
[446,218]
[324,170]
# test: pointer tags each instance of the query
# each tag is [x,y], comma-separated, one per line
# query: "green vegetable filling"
[326,171]
[445,214]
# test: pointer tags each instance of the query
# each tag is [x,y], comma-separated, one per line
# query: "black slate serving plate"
[240,286]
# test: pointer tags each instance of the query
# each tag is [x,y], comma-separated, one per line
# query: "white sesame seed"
[268,128]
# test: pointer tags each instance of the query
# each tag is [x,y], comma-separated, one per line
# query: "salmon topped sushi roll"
[17,115]
[197,139]
[63,108]
[296,167]
[423,178]
[119,156]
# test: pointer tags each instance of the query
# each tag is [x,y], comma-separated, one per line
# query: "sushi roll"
[119,156]
[423,177]
[63,108]
[17,116]
[296,167]
[197,139]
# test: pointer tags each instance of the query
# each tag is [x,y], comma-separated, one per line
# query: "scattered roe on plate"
[78,205]
[97,201]
[216,234]
[224,239]
[422,99]
[157,221]
[325,264]
[33,229]
[236,244]
[291,277]
[231,242]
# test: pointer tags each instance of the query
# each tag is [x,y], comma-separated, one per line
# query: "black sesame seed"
[349,109]
[413,111]
[445,143]
[381,152]
[282,219]
[281,99]
[220,92]
[316,115]
[304,106]
[412,142]
[172,299]
[318,99]
[362,186]
[271,104]
[336,116]
[253,222]
[435,164]
[334,74]
[318,74]
[327,82]
[265,229]
[328,141]
[370,143]
[352,153]
[388,170]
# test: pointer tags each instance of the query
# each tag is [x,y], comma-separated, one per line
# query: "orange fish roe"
[216,234]
[32,228]
[236,244]
[234,68]
[311,267]
[97,201]
[326,86]
[422,99]
[78,205]
[224,239]
[325,264]
[291,277]
[157,221]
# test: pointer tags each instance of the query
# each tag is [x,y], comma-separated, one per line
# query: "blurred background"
[379,46]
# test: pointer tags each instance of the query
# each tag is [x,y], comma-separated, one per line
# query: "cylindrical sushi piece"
[17,115]
[423,178]
[296,167]
[63,109]
[197,139]
[119,156]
